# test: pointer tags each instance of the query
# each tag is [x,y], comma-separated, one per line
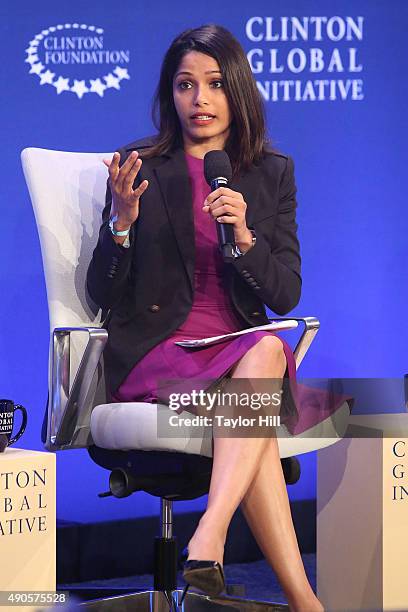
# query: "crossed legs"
[248,471]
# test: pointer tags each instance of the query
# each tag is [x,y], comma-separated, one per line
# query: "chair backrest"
[67,192]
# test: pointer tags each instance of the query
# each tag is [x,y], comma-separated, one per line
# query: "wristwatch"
[237,250]
[113,220]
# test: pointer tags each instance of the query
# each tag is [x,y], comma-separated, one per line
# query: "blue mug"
[7,411]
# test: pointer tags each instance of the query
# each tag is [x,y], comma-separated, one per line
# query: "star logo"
[45,55]
[97,86]
[111,81]
[121,73]
[31,59]
[61,84]
[36,68]
[46,77]
[79,88]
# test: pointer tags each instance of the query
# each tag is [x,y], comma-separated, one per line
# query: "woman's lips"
[202,119]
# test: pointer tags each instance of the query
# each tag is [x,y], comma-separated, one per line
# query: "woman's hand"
[125,199]
[228,206]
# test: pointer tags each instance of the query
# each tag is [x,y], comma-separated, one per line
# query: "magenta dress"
[212,314]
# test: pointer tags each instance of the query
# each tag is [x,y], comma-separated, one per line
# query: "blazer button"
[154,308]
[255,314]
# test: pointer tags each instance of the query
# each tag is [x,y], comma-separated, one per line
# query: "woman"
[158,269]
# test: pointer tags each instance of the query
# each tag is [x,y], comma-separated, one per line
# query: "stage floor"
[259,580]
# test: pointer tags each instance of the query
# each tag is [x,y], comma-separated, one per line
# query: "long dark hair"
[247,139]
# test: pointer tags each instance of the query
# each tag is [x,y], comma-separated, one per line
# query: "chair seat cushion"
[137,425]
[141,426]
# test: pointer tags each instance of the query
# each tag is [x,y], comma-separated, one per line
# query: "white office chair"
[67,192]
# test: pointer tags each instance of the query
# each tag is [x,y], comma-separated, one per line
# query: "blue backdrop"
[80,76]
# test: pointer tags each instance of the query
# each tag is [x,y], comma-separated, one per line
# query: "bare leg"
[267,511]
[235,462]
[248,470]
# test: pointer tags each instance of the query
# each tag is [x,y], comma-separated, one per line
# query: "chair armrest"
[70,407]
[311,327]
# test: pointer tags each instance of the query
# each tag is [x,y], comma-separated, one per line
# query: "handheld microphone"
[218,173]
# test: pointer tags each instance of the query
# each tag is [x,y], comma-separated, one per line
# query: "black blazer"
[148,288]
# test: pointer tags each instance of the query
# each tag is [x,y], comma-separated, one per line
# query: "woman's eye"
[188,85]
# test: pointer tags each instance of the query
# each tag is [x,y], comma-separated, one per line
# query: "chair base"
[155,601]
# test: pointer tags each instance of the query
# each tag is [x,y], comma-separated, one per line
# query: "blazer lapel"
[174,184]
[249,184]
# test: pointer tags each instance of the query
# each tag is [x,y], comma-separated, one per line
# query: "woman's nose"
[200,96]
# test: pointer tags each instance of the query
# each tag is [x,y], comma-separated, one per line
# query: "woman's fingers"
[223,192]
[125,169]
[131,175]
[227,219]
[227,209]
[141,189]
[234,200]
[224,210]
[122,178]
[226,206]
[113,166]
[125,199]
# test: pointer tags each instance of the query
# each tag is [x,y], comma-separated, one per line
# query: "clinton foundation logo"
[307,59]
[77,58]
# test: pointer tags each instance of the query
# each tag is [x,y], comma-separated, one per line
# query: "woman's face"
[200,100]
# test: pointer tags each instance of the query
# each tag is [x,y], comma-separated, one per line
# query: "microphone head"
[216,165]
